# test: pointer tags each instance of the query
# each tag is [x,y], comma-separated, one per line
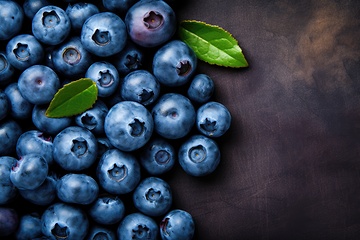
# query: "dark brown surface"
[290,163]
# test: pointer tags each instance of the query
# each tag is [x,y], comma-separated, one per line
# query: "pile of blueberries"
[98,175]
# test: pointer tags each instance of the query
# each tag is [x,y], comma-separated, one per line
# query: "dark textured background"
[290,163]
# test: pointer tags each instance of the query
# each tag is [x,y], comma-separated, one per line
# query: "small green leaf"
[212,44]
[74,98]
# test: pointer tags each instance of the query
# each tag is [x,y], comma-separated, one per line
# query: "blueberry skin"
[104,34]
[106,77]
[23,51]
[64,221]
[129,59]
[199,155]
[97,232]
[31,7]
[137,226]
[4,105]
[43,195]
[29,172]
[46,124]
[29,227]
[158,156]
[201,88]
[77,188]
[118,6]
[174,116]
[11,18]
[153,197]
[79,12]
[6,69]
[140,86]
[118,172]
[177,225]
[75,148]
[10,131]
[51,25]
[213,119]
[20,108]
[103,145]
[7,189]
[128,125]
[9,221]
[71,58]
[34,141]
[93,118]
[174,64]
[38,84]
[107,210]
[150,23]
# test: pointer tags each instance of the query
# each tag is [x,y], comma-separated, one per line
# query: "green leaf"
[72,99]
[212,44]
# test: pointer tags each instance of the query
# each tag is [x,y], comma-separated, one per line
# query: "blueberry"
[31,7]
[71,58]
[75,148]
[107,210]
[20,108]
[11,18]
[174,63]
[46,124]
[129,59]
[128,125]
[64,221]
[118,172]
[51,25]
[201,88]
[43,195]
[38,84]
[4,105]
[79,12]
[140,86]
[158,156]
[104,34]
[23,51]
[10,131]
[150,23]
[9,221]
[29,172]
[153,196]
[93,118]
[106,77]
[174,116]
[6,69]
[177,224]
[29,227]
[137,226]
[77,188]
[98,232]
[213,119]
[34,141]
[7,189]
[199,155]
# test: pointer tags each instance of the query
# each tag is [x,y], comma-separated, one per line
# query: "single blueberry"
[9,221]
[79,12]
[128,125]
[64,221]
[137,226]
[10,131]
[129,59]
[153,197]
[140,86]
[93,118]
[201,88]
[177,224]
[77,188]
[118,172]
[7,188]
[199,155]
[20,108]
[107,210]
[29,227]
[11,18]
[174,116]
[6,70]
[31,7]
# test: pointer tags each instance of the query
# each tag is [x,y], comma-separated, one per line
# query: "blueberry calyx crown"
[197,154]
[183,68]
[50,19]
[21,52]
[60,232]
[101,38]
[153,20]
[117,173]
[71,55]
